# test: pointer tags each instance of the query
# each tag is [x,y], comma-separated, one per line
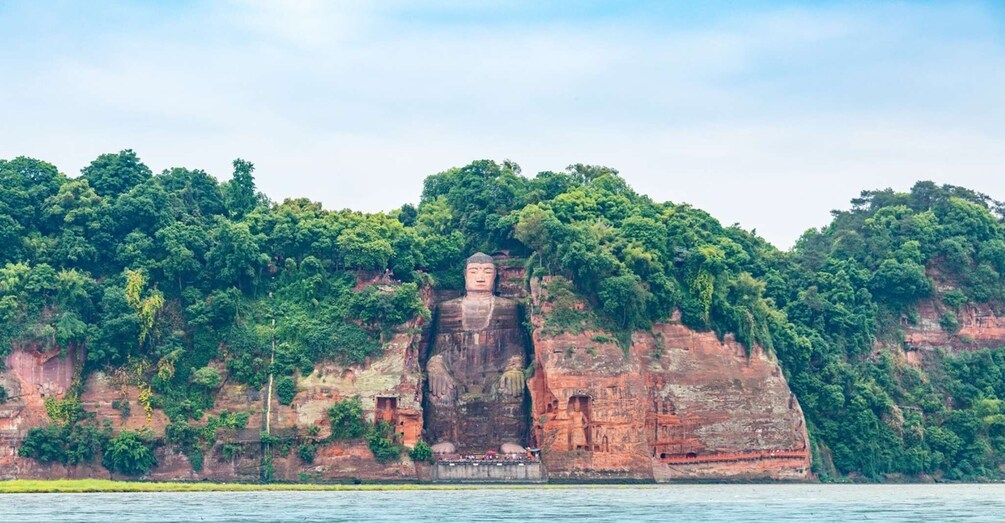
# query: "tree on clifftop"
[113,174]
[239,192]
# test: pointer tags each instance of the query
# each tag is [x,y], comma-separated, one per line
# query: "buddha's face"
[480,277]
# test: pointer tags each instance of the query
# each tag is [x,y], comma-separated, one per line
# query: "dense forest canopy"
[165,274]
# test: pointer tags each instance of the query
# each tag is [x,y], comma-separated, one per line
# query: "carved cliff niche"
[387,410]
[670,436]
[579,423]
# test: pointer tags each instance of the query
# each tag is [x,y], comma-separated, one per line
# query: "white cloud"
[770,118]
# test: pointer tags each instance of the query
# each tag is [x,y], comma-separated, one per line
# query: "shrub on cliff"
[3,395]
[44,444]
[949,322]
[68,445]
[346,418]
[388,308]
[286,390]
[130,453]
[195,441]
[383,443]
[207,377]
[64,412]
[421,452]
[306,452]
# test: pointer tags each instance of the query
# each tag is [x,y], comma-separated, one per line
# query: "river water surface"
[775,503]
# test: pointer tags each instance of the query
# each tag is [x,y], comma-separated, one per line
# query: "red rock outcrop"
[679,405]
[30,376]
[389,386]
[717,412]
[979,327]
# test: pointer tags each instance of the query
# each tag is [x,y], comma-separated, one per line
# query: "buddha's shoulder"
[454,304]
[507,303]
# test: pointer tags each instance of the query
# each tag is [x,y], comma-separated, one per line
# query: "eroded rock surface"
[389,387]
[680,405]
[979,327]
[30,377]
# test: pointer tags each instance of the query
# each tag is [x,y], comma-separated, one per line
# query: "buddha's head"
[480,275]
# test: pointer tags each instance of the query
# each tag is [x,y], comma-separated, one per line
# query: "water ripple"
[699,503]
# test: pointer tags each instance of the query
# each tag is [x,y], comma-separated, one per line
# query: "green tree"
[234,256]
[193,193]
[346,418]
[383,443]
[130,453]
[421,452]
[624,299]
[207,377]
[113,174]
[25,183]
[286,390]
[901,282]
[239,192]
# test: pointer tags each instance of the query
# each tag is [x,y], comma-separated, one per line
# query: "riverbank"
[28,486]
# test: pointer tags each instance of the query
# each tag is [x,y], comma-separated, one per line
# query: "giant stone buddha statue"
[475,388]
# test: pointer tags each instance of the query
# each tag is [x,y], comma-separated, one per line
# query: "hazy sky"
[766,114]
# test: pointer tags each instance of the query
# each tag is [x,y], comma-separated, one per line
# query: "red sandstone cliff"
[679,405]
[979,327]
[30,377]
[390,387]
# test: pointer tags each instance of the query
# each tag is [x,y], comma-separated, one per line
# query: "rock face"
[680,405]
[30,377]
[717,412]
[979,327]
[390,388]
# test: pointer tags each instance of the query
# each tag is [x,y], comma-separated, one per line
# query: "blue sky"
[767,114]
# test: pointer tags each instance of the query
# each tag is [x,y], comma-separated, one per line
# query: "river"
[775,503]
